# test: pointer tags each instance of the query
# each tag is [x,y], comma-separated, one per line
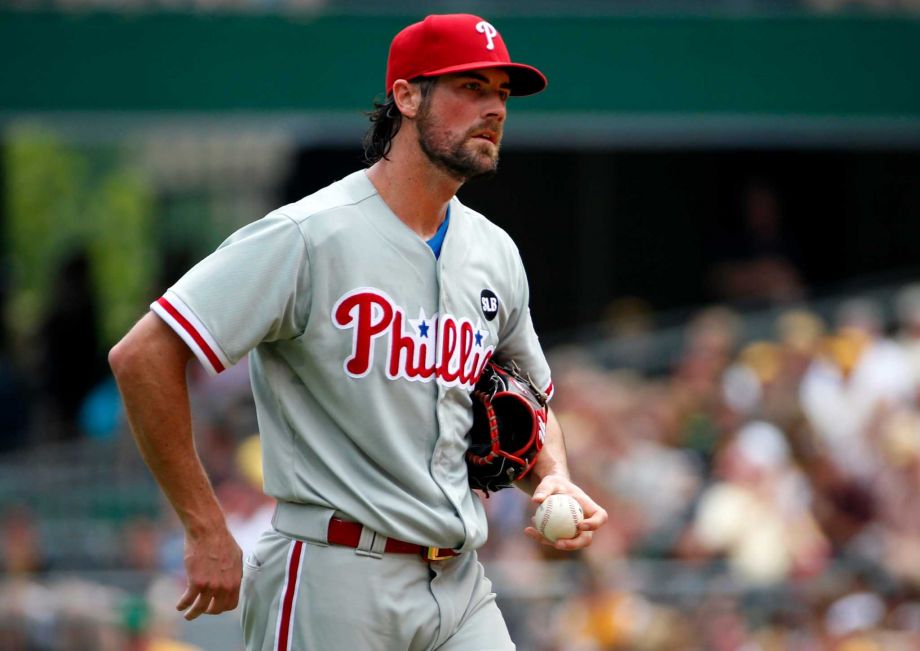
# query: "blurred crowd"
[784,472]
[761,493]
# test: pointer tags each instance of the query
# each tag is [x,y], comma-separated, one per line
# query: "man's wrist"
[530,482]
[204,527]
[556,470]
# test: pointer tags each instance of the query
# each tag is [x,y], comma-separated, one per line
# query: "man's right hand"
[214,569]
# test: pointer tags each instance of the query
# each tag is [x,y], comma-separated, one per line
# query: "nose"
[495,108]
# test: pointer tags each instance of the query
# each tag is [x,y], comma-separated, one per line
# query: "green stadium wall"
[816,67]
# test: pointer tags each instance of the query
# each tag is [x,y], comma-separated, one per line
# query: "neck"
[414,189]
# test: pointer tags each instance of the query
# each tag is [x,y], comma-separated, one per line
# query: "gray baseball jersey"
[364,350]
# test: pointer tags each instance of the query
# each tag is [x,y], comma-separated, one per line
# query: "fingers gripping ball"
[509,425]
[558,517]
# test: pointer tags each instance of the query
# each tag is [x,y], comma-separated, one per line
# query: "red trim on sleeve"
[287,603]
[549,390]
[190,329]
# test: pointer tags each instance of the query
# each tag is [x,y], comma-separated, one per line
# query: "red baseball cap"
[443,44]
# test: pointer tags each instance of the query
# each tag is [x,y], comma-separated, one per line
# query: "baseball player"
[368,311]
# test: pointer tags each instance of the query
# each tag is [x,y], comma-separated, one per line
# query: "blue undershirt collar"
[438,239]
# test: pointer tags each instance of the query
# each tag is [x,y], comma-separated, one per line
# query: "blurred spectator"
[13,406]
[759,263]
[13,395]
[759,513]
[746,382]
[606,617]
[896,489]
[763,382]
[859,375]
[71,362]
[850,619]
[907,306]
[653,483]
[723,627]
[101,412]
[141,545]
[21,547]
[627,325]
[249,511]
[703,413]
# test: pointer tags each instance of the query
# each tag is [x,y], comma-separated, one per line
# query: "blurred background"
[718,203]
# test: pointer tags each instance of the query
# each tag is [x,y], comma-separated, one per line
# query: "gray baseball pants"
[304,596]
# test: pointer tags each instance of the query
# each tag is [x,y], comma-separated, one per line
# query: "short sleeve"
[518,341]
[254,288]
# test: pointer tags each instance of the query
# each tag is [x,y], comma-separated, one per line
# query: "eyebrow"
[481,77]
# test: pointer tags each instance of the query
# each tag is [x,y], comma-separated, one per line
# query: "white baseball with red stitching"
[558,517]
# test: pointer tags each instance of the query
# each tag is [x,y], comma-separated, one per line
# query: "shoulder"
[315,217]
[334,200]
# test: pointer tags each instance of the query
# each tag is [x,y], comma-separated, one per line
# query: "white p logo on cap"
[490,32]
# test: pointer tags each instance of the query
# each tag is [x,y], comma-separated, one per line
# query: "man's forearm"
[149,366]
[552,459]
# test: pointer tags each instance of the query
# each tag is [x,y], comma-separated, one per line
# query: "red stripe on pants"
[287,602]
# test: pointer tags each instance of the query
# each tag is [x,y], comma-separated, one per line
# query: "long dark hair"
[385,122]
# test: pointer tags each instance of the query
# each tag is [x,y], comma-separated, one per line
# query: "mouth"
[489,136]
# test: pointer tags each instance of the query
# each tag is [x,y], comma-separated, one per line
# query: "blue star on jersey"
[422,323]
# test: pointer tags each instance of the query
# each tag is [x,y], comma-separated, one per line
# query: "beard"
[461,158]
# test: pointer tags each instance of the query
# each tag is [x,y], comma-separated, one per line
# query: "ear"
[408,98]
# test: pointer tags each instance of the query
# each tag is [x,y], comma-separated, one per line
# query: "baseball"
[558,517]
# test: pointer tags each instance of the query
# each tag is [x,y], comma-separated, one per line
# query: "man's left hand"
[595,516]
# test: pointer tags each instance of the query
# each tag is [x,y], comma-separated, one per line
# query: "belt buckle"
[434,554]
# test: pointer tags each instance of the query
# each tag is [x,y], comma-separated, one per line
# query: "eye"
[504,95]
[472,85]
